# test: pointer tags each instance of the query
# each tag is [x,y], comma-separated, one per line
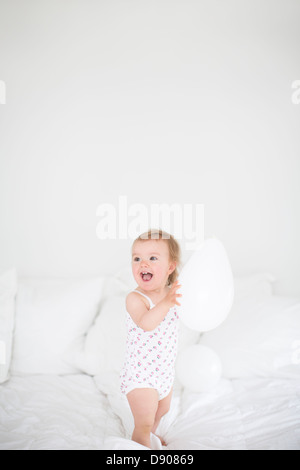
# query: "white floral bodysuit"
[150,355]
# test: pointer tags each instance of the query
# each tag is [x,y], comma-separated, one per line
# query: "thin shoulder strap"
[148,298]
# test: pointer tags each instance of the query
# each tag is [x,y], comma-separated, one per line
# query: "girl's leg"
[162,409]
[143,403]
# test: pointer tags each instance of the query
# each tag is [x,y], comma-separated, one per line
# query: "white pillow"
[253,286]
[51,314]
[104,347]
[260,337]
[8,290]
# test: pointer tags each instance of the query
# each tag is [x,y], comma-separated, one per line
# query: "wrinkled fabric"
[70,412]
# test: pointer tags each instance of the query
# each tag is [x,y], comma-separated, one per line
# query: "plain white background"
[161,101]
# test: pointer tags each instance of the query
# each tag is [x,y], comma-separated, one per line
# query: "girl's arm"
[147,319]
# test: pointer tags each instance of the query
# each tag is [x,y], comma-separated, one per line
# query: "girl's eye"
[136,259]
[153,257]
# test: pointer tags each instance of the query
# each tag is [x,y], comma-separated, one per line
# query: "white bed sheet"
[250,414]
[69,412]
[54,412]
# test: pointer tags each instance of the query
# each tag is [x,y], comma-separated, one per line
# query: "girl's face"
[151,265]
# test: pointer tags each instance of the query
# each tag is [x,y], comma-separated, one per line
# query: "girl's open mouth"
[146,276]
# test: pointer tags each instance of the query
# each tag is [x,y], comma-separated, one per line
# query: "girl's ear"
[172,266]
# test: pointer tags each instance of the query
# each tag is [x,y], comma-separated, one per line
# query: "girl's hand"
[171,297]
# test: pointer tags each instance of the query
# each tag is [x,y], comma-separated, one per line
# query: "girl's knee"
[145,422]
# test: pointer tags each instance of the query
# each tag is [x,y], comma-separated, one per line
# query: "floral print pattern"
[150,355]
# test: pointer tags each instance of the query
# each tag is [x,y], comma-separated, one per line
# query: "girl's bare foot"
[163,442]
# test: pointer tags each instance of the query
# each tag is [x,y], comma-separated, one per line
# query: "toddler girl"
[152,329]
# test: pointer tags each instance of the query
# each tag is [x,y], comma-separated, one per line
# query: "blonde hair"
[173,245]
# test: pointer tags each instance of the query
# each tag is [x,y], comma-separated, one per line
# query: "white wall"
[175,101]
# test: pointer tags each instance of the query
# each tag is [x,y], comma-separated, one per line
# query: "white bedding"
[71,399]
[69,412]
[54,412]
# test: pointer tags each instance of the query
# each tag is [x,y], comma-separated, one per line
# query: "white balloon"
[207,287]
[198,368]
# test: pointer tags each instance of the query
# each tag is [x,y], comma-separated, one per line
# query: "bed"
[60,356]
